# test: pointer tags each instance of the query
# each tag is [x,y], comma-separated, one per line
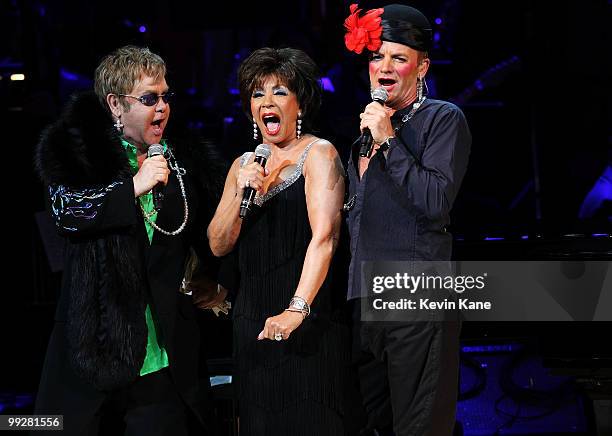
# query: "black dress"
[291,387]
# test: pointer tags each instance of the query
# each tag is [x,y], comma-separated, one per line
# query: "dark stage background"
[531,76]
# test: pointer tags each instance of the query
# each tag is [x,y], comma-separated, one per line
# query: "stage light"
[17,77]
[327,84]
[142,29]
[65,74]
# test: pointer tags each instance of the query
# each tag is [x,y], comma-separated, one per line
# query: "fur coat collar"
[82,148]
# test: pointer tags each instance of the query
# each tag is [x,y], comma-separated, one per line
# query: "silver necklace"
[180,172]
[409,115]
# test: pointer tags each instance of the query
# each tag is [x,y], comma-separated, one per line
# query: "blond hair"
[122,69]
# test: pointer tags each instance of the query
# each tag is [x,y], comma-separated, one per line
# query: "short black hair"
[294,68]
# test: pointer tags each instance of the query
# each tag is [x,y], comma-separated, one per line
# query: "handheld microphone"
[379,95]
[262,153]
[158,190]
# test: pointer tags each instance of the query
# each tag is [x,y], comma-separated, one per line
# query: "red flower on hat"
[363,32]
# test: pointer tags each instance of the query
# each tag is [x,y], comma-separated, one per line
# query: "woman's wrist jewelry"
[298,304]
[297,311]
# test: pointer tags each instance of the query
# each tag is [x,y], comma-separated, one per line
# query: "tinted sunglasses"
[151,99]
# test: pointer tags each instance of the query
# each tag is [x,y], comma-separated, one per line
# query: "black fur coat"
[105,277]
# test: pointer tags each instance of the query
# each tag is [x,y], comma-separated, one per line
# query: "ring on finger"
[278,336]
[247,184]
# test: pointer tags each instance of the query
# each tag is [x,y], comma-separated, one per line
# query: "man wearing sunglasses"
[125,342]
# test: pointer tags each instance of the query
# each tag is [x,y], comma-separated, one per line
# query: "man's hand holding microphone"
[375,123]
[153,171]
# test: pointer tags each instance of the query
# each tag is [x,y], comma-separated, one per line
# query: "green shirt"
[156,357]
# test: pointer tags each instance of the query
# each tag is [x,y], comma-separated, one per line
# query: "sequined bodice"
[259,200]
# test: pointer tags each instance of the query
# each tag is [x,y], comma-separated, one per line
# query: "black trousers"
[149,406]
[407,375]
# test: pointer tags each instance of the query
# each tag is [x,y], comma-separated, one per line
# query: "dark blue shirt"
[401,205]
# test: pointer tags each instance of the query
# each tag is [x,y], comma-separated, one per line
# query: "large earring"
[419,89]
[254,130]
[118,125]
[299,126]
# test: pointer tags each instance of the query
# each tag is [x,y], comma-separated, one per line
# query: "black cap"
[406,25]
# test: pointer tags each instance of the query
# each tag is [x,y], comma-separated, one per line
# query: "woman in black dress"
[289,351]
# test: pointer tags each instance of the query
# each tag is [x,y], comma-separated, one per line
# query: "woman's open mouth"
[272,124]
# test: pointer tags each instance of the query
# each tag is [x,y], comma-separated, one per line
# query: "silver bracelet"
[298,304]
[298,311]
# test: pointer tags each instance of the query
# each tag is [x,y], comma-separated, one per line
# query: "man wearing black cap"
[400,196]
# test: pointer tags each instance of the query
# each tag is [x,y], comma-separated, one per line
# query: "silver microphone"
[262,153]
[379,95]
[158,190]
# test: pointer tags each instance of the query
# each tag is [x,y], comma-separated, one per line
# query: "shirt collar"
[131,152]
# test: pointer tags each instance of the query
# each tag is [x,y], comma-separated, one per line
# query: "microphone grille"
[379,94]
[263,150]
[155,150]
